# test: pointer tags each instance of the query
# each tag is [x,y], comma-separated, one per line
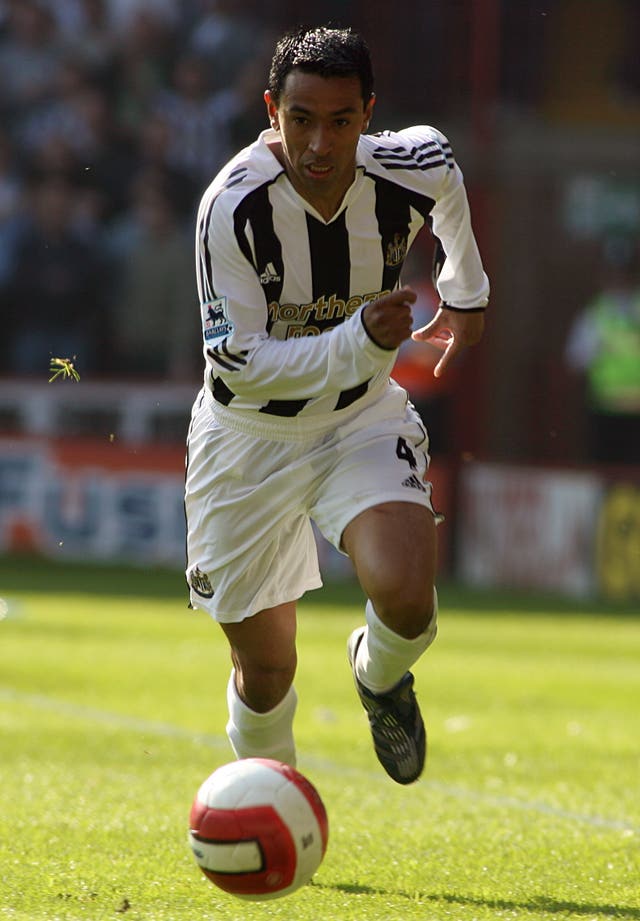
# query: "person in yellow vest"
[604,345]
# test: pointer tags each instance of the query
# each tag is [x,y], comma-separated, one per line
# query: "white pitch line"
[117,720]
[169,730]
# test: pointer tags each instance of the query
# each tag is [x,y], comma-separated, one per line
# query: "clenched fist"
[388,319]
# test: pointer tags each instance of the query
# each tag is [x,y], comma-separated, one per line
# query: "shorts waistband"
[292,429]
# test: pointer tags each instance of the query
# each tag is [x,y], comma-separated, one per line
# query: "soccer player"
[300,244]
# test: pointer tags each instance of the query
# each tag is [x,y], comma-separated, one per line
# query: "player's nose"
[320,141]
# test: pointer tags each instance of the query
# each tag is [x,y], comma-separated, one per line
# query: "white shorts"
[250,501]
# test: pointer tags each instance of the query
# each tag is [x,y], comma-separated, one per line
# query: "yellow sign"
[618,547]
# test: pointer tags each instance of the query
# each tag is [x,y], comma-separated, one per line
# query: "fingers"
[450,352]
[434,333]
[451,331]
[437,332]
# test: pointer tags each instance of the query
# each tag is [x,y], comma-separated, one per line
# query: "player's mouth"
[318,170]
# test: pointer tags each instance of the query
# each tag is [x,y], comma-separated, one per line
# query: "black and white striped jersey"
[282,290]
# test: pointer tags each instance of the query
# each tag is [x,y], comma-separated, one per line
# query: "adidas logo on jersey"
[269,275]
[413,483]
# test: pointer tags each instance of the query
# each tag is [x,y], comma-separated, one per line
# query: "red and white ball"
[258,828]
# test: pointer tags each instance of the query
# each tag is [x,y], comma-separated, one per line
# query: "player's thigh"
[376,507]
[249,540]
[383,461]
[393,550]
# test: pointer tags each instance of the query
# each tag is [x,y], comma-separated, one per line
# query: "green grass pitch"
[112,711]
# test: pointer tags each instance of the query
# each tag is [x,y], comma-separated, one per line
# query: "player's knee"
[405,609]
[262,685]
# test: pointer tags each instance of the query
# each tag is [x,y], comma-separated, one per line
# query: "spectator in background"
[99,179]
[55,158]
[94,42]
[10,179]
[68,15]
[249,86]
[107,160]
[152,155]
[604,347]
[11,219]
[29,54]
[222,35]
[156,334]
[54,285]
[146,51]
[125,14]
[11,203]
[67,115]
[97,97]
[199,119]
[240,49]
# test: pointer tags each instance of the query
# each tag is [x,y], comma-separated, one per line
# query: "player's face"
[320,120]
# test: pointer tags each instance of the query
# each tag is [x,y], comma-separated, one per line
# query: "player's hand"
[388,319]
[451,331]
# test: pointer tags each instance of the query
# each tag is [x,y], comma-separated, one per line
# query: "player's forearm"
[462,281]
[313,366]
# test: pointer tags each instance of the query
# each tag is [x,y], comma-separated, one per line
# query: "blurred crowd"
[114,117]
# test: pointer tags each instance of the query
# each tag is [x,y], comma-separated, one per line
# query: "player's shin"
[261,735]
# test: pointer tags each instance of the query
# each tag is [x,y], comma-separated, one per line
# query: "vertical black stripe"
[330,268]
[393,213]
[205,269]
[394,217]
[256,210]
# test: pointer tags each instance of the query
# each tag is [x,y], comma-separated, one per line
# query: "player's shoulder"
[420,147]
[252,167]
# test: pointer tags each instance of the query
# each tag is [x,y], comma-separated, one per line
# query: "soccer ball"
[258,828]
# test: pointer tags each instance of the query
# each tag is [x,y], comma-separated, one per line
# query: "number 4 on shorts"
[404,452]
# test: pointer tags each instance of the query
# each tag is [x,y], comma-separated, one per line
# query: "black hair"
[325,51]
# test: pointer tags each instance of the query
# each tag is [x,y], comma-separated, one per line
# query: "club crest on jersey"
[396,250]
[199,582]
[215,323]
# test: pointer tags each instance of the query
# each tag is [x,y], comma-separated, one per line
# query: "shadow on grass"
[536,904]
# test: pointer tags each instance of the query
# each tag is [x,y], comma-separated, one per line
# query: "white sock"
[261,735]
[384,656]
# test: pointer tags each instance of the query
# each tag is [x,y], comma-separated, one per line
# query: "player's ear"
[368,112]
[272,110]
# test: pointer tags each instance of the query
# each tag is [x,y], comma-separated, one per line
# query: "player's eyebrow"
[301,110]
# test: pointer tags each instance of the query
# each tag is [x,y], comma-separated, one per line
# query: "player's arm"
[250,362]
[461,281]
